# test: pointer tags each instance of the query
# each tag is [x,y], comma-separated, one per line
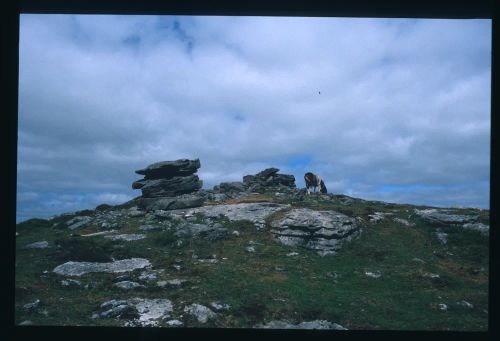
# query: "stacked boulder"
[258,183]
[169,185]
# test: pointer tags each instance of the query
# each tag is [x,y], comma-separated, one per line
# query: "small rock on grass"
[202,313]
[375,274]
[32,306]
[127,285]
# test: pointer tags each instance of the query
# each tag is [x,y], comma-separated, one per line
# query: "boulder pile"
[170,185]
[258,183]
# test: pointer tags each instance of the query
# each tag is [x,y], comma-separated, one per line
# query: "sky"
[396,110]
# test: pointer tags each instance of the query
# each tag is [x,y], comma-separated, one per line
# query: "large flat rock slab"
[81,268]
[168,169]
[172,203]
[170,187]
[323,231]
[254,212]
[450,217]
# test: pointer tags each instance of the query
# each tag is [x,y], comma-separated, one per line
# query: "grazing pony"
[315,181]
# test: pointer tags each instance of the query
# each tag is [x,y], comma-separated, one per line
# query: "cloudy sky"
[385,109]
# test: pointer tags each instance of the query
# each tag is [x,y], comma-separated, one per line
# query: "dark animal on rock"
[314,181]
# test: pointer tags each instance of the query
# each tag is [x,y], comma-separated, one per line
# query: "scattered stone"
[322,231]
[292,254]
[70,282]
[174,323]
[202,313]
[418,260]
[236,233]
[149,227]
[32,306]
[26,323]
[135,212]
[481,228]
[97,233]
[442,237]
[150,275]
[81,268]
[219,306]
[126,237]
[173,282]
[375,274]
[378,216]
[404,222]
[465,304]
[318,324]
[108,225]
[37,245]
[115,308]
[250,249]
[442,306]
[430,275]
[145,312]
[79,221]
[127,285]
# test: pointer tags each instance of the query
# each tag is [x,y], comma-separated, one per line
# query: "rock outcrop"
[448,217]
[170,185]
[258,183]
[268,178]
[323,231]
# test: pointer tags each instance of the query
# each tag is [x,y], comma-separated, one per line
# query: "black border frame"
[473,9]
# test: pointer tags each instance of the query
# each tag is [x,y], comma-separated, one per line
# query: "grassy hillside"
[393,277]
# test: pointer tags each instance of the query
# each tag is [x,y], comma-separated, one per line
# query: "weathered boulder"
[268,178]
[170,187]
[446,216]
[37,245]
[323,231]
[172,203]
[228,187]
[81,268]
[254,212]
[169,169]
[450,217]
[144,312]
[202,313]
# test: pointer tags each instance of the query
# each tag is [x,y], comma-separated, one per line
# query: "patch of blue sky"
[407,188]
[299,162]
